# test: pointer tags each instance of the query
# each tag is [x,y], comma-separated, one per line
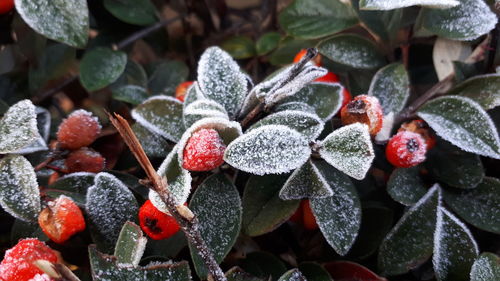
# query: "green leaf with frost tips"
[410,242]
[139,12]
[130,245]
[130,93]
[100,67]
[18,127]
[292,275]
[104,267]
[484,89]
[306,182]
[406,186]
[454,248]
[391,85]
[66,21]
[352,51]
[338,216]
[203,108]
[464,123]
[486,268]
[391,4]
[349,149]
[311,19]
[19,193]
[217,205]
[161,115]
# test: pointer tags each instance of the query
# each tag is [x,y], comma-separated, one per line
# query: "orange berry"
[204,151]
[309,219]
[78,130]
[420,127]
[363,109]
[330,77]
[85,160]
[155,223]
[406,149]
[316,60]
[6,6]
[180,91]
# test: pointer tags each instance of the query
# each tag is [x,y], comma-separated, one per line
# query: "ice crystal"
[396,4]
[203,108]
[486,268]
[391,86]
[18,127]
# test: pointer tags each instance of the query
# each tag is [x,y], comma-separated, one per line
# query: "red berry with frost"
[180,91]
[330,77]
[316,60]
[406,149]
[85,160]
[78,130]
[204,151]
[17,264]
[6,6]
[61,219]
[420,127]
[155,223]
[363,109]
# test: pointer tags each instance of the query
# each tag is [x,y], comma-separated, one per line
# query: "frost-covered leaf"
[295,106]
[74,185]
[454,248]
[66,21]
[104,267]
[161,115]
[221,80]
[263,210]
[217,205]
[139,12]
[352,50]
[406,186]
[391,85]
[313,271]
[130,93]
[384,23]
[316,18]
[410,242]
[486,268]
[309,125]
[349,149]
[484,89]
[392,4]
[306,182]
[18,127]
[100,67]
[109,205]
[193,94]
[203,108]
[338,216]
[270,149]
[154,145]
[467,21]
[43,120]
[292,275]
[19,193]
[237,274]
[479,206]
[130,245]
[166,76]
[464,123]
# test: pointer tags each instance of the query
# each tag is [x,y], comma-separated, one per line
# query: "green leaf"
[22,229]
[295,106]
[154,145]
[217,205]
[54,63]
[292,275]
[202,108]
[464,123]
[352,51]
[484,89]
[130,245]
[237,274]
[130,93]
[263,265]
[73,185]
[391,85]
[479,206]
[305,182]
[486,268]
[456,23]
[161,115]
[454,248]
[263,210]
[100,67]
[139,12]
[19,193]
[406,186]
[239,47]
[287,49]
[18,127]
[410,242]
[267,42]
[316,18]
[391,4]
[167,76]
[349,149]
[104,267]
[384,24]
[66,21]
[314,272]
[338,216]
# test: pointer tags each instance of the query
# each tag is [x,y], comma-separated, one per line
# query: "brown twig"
[182,214]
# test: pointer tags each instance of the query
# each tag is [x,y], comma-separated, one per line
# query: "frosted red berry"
[6,6]
[406,149]
[17,264]
[155,223]
[204,151]
[180,91]
[316,60]
[363,109]
[78,130]
[420,127]
[85,160]
[61,219]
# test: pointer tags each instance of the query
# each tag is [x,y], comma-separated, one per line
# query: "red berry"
[85,160]
[309,219]
[204,151]
[61,219]
[78,130]
[155,223]
[316,60]
[363,109]
[6,6]
[180,91]
[330,77]
[420,127]
[297,216]
[17,264]
[406,149]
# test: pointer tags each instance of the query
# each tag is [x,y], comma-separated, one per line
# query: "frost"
[271,149]
[486,268]
[18,127]
[295,106]
[396,4]
[454,248]
[221,80]
[349,149]
[464,123]
[161,115]
[203,108]
[387,124]
[43,124]
[309,125]
[292,275]
[305,182]
[130,245]
[193,93]
[391,86]
[405,185]
[484,89]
